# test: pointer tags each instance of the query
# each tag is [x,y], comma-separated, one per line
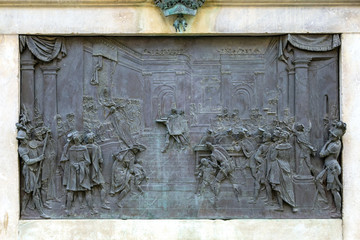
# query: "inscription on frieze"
[180,128]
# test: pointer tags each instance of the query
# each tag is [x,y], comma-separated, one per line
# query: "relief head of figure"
[89,138]
[77,138]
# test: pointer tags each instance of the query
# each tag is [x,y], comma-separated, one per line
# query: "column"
[291,90]
[181,89]
[226,89]
[147,101]
[304,186]
[350,114]
[302,94]
[28,78]
[50,95]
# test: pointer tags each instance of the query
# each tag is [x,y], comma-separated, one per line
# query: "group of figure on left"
[38,151]
[82,161]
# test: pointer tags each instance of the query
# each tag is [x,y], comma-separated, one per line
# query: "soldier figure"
[331,151]
[221,157]
[31,170]
[48,171]
[206,174]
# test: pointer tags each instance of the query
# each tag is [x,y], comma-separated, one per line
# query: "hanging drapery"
[310,42]
[44,48]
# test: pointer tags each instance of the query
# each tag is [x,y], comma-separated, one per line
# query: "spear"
[41,163]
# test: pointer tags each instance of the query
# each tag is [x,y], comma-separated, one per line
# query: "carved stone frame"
[327,19]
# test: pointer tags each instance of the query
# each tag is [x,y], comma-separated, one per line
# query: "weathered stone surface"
[9,108]
[350,100]
[181,229]
[93,21]
[149,20]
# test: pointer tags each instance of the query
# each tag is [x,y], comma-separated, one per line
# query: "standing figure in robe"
[306,149]
[280,174]
[97,179]
[177,127]
[262,158]
[77,172]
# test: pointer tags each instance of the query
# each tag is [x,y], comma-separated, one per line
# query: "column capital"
[302,62]
[226,72]
[49,70]
[291,70]
[180,72]
[147,73]
[28,64]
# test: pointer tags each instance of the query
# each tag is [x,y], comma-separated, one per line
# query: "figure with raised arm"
[331,171]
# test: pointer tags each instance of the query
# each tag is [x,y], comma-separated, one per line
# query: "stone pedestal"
[142,18]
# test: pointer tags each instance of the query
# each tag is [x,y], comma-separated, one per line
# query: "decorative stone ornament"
[179,8]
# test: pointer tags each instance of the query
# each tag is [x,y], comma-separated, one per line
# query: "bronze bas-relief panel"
[195,127]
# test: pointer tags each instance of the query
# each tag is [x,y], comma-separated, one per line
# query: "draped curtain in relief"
[44,48]
[310,42]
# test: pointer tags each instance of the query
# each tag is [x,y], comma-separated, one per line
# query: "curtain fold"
[44,48]
[310,42]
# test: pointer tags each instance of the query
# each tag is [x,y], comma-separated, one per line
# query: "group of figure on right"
[271,162]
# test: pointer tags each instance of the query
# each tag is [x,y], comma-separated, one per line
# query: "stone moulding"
[149,3]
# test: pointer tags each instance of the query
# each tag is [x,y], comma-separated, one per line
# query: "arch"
[165,99]
[241,100]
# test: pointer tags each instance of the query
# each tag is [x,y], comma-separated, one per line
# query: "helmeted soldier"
[31,171]
[330,152]
[222,158]
[206,174]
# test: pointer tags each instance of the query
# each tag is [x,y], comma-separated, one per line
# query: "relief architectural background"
[152,104]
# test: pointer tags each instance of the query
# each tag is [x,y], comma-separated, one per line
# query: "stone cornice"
[208,3]
[282,2]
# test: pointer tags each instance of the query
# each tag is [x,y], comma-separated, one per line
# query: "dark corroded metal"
[179,8]
[205,127]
